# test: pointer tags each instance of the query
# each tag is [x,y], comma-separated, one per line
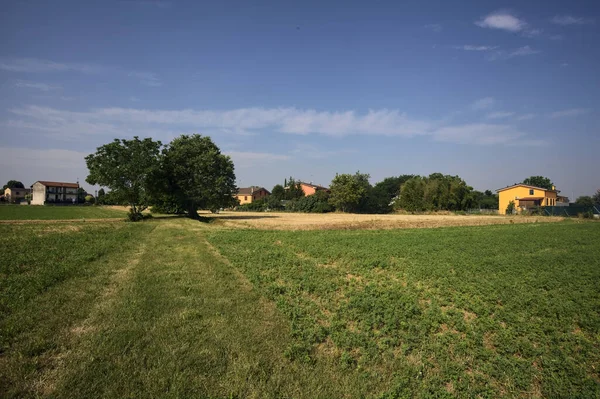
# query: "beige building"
[247,195]
[16,195]
[53,192]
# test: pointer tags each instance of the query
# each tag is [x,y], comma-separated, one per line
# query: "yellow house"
[248,194]
[525,197]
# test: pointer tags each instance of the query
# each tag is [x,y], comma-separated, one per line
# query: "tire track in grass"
[46,383]
[185,323]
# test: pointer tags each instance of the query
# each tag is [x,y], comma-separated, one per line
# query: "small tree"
[293,190]
[128,168]
[596,197]
[101,195]
[90,199]
[13,184]
[510,209]
[347,191]
[584,200]
[539,181]
[278,192]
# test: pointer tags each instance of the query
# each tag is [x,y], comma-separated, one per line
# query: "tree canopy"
[128,168]
[13,184]
[435,192]
[293,189]
[348,191]
[584,200]
[539,181]
[197,175]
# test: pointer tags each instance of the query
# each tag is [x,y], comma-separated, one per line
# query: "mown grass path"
[170,318]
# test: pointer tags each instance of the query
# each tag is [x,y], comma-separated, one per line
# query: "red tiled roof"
[57,184]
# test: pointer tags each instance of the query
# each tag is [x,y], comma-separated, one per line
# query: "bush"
[137,216]
[510,209]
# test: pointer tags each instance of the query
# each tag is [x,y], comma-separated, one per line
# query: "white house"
[53,192]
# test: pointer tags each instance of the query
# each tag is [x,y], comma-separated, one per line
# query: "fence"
[570,210]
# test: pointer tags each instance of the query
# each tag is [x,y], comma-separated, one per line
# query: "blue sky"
[491,91]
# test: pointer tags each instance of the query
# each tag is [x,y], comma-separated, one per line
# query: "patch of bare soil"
[343,221]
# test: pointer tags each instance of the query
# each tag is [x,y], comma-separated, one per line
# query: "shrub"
[510,209]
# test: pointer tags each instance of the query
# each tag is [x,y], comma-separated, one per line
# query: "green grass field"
[177,308]
[39,212]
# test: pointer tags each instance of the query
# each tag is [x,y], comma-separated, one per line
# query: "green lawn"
[40,212]
[177,308]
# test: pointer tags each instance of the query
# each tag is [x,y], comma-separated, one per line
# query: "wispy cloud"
[437,28]
[526,117]
[165,124]
[570,20]
[484,134]
[569,112]
[35,65]
[499,115]
[468,47]
[483,103]
[147,78]
[502,20]
[36,85]
[523,51]
[505,55]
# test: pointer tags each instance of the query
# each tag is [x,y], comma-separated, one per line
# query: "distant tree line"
[354,193]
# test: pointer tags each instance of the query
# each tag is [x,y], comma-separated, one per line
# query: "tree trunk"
[193,211]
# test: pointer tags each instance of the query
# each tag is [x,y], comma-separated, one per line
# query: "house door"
[56,197]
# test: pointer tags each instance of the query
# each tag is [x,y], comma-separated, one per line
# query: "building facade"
[15,195]
[526,197]
[54,192]
[248,195]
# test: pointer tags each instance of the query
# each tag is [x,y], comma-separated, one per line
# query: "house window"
[245,197]
[531,192]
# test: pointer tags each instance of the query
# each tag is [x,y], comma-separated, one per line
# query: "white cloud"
[36,85]
[502,20]
[569,112]
[468,47]
[437,28]
[570,20]
[499,115]
[523,51]
[483,103]
[165,124]
[526,117]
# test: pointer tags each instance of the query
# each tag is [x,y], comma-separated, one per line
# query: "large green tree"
[128,168]
[435,192]
[539,181]
[348,191]
[13,184]
[197,175]
[383,193]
